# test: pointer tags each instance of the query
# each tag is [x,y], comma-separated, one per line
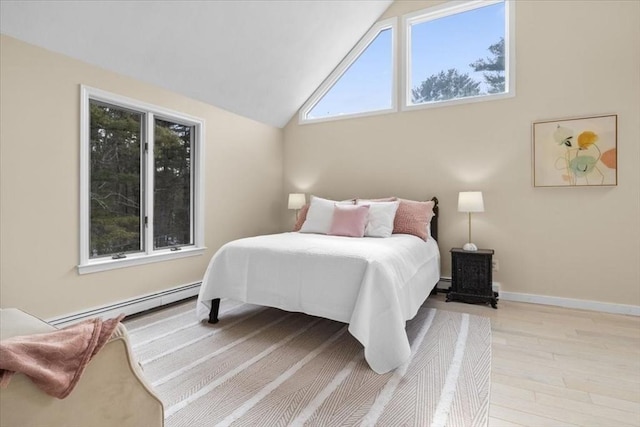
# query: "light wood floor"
[554,366]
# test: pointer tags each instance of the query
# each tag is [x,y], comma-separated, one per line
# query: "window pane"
[365,86]
[458,56]
[172,180]
[115,136]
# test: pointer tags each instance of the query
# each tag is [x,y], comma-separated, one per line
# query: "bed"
[373,284]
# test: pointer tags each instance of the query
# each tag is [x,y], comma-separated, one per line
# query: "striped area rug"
[266,367]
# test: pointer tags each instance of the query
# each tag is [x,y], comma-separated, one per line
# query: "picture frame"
[578,152]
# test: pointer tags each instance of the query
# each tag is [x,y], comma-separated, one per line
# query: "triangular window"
[363,83]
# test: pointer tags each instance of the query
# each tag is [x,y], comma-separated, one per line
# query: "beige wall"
[574,58]
[39,178]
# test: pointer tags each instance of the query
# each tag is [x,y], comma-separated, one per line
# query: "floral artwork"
[575,152]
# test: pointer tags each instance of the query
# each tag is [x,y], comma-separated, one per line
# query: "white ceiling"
[259,59]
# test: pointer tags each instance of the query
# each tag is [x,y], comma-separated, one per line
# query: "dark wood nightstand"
[471,277]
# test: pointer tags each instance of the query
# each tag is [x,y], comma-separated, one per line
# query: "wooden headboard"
[434,220]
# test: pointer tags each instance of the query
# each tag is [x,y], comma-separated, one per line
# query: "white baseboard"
[605,307]
[130,306]
[157,299]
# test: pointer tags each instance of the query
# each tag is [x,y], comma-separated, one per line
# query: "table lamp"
[470,201]
[296,201]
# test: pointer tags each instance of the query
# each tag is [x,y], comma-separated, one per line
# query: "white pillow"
[320,215]
[381,216]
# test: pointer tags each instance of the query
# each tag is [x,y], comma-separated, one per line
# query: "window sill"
[460,101]
[137,259]
[305,121]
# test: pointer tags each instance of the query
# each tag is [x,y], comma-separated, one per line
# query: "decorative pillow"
[302,216]
[381,218]
[349,220]
[320,215]
[413,217]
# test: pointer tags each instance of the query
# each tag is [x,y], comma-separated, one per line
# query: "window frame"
[449,9]
[345,64]
[150,113]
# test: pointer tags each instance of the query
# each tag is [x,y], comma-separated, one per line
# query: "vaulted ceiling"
[259,59]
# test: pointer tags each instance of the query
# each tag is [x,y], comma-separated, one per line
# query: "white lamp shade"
[470,201]
[296,200]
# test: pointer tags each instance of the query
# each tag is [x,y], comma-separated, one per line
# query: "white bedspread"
[373,284]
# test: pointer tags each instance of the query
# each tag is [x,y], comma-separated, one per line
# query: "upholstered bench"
[111,392]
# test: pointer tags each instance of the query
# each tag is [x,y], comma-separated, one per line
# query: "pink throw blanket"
[55,360]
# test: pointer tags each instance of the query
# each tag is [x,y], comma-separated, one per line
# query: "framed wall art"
[577,152]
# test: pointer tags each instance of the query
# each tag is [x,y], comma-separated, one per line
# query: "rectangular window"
[458,53]
[141,183]
[116,167]
[172,225]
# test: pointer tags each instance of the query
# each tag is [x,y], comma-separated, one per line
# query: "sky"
[450,42]
[366,84]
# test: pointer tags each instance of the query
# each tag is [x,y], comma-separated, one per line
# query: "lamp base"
[470,247]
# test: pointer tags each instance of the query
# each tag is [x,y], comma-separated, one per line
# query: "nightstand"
[471,277]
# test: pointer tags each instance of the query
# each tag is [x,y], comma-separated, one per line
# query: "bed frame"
[215,303]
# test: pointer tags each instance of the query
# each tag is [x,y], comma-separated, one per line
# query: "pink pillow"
[349,220]
[413,217]
[302,216]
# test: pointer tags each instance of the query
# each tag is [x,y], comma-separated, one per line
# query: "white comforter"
[373,284]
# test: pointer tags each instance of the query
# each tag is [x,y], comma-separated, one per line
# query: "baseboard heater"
[445,283]
[130,306]
[442,287]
